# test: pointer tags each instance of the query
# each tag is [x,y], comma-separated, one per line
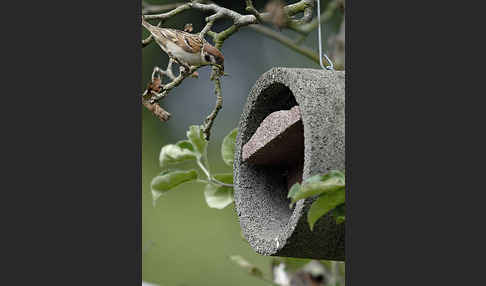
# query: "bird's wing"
[190,43]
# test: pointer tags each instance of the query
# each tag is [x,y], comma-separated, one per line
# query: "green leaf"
[340,213]
[316,188]
[317,185]
[169,180]
[196,137]
[340,219]
[252,269]
[177,153]
[315,178]
[330,174]
[228,147]
[293,190]
[218,197]
[185,144]
[324,204]
[226,178]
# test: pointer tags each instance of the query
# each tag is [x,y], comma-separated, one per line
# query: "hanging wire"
[331,65]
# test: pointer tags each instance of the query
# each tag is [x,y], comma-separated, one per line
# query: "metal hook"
[331,65]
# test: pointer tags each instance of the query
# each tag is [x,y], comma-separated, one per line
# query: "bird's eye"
[207,58]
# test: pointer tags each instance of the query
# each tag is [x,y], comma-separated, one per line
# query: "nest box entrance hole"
[275,148]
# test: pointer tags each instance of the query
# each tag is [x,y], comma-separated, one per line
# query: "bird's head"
[213,56]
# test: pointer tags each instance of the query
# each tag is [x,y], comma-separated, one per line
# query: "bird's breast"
[193,59]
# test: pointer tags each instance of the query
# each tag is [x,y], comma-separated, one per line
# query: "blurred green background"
[184,242]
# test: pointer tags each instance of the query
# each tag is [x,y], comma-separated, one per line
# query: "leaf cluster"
[330,189]
[218,190]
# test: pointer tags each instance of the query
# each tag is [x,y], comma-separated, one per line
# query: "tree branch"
[151,8]
[304,26]
[176,81]
[172,13]
[159,112]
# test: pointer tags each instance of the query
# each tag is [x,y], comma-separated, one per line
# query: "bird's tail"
[147,25]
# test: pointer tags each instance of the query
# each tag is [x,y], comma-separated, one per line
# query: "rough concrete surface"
[267,222]
[278,138]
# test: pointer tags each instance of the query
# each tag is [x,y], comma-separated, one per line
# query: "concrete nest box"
[291,128]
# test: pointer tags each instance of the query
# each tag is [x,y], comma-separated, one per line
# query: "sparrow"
[186,48]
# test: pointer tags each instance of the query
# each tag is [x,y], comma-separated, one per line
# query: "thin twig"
[251,9]
[210,178]
[174,83]
[206,28]
[151,8]
[167,72]
[171,13]
[308,14]
[281,38]
[305,29]
[159,112]
[219,104]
